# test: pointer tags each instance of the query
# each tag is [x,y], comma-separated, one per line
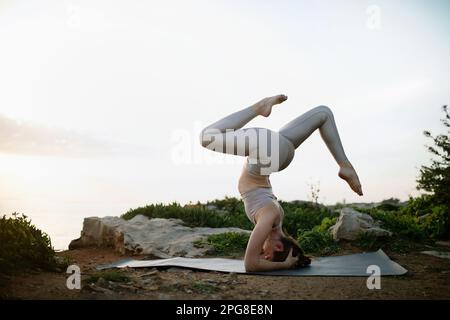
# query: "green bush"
[197,215]
[435,178]
[394,243]
[318,240]
[304,216]
[230,204]
[402,225]
[226,244]
[418,206]
[388,207]
[436,223]
[418,220]
[23,246]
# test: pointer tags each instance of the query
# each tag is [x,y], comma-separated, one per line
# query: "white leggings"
[268,151]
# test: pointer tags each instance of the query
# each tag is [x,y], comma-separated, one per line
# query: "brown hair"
[288,244]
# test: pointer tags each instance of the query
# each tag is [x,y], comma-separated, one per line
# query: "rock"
[101,282]
[264,292]
[95,289]
[96,231]
[149,274]
[128,288]
[174,269]
[148,282]
[212,281]
[443,243]
[163,296]
[159,238]
[439,254]
[351,224]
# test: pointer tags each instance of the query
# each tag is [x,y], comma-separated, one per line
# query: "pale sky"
[101,102]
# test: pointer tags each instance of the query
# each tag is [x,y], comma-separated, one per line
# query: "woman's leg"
[299,129]
[224,135]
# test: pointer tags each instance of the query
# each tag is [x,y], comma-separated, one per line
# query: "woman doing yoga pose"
[269,151]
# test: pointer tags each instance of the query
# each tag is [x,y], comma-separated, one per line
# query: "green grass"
[303,216]
[203,287]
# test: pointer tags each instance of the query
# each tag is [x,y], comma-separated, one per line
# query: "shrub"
[418,206]
[318,240]
[388,207]
[435,178]
[436,223]
[226,244]
[402,225]
[304,217]
[230,204]
[193,215]
[419,220]
[23,246]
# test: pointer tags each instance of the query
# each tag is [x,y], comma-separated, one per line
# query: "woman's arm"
[253,261]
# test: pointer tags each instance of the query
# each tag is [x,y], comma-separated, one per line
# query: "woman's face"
[270,246]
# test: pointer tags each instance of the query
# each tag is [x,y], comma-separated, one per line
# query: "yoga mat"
[347,265]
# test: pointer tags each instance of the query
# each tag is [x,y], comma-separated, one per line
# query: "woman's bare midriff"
[249,181]
[274,208]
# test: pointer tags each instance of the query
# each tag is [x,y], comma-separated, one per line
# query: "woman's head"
[276,248]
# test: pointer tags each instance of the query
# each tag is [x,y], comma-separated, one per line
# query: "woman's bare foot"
[348,173]
[264,107]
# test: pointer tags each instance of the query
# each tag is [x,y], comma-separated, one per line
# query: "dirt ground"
[428,278]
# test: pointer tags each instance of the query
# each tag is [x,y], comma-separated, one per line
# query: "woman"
[268,151]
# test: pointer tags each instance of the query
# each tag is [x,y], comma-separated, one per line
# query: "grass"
[204,287]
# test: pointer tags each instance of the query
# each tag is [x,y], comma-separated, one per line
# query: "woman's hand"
[291,261]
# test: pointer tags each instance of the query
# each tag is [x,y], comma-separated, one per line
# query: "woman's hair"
[288,244]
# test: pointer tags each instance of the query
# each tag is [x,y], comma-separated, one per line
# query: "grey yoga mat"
[347,265]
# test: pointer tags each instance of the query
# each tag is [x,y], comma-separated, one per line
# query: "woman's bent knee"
[324,110]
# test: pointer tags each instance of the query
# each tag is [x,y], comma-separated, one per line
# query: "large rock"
[161,238]
[351,224]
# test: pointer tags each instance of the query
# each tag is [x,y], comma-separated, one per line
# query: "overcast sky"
[101,102]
